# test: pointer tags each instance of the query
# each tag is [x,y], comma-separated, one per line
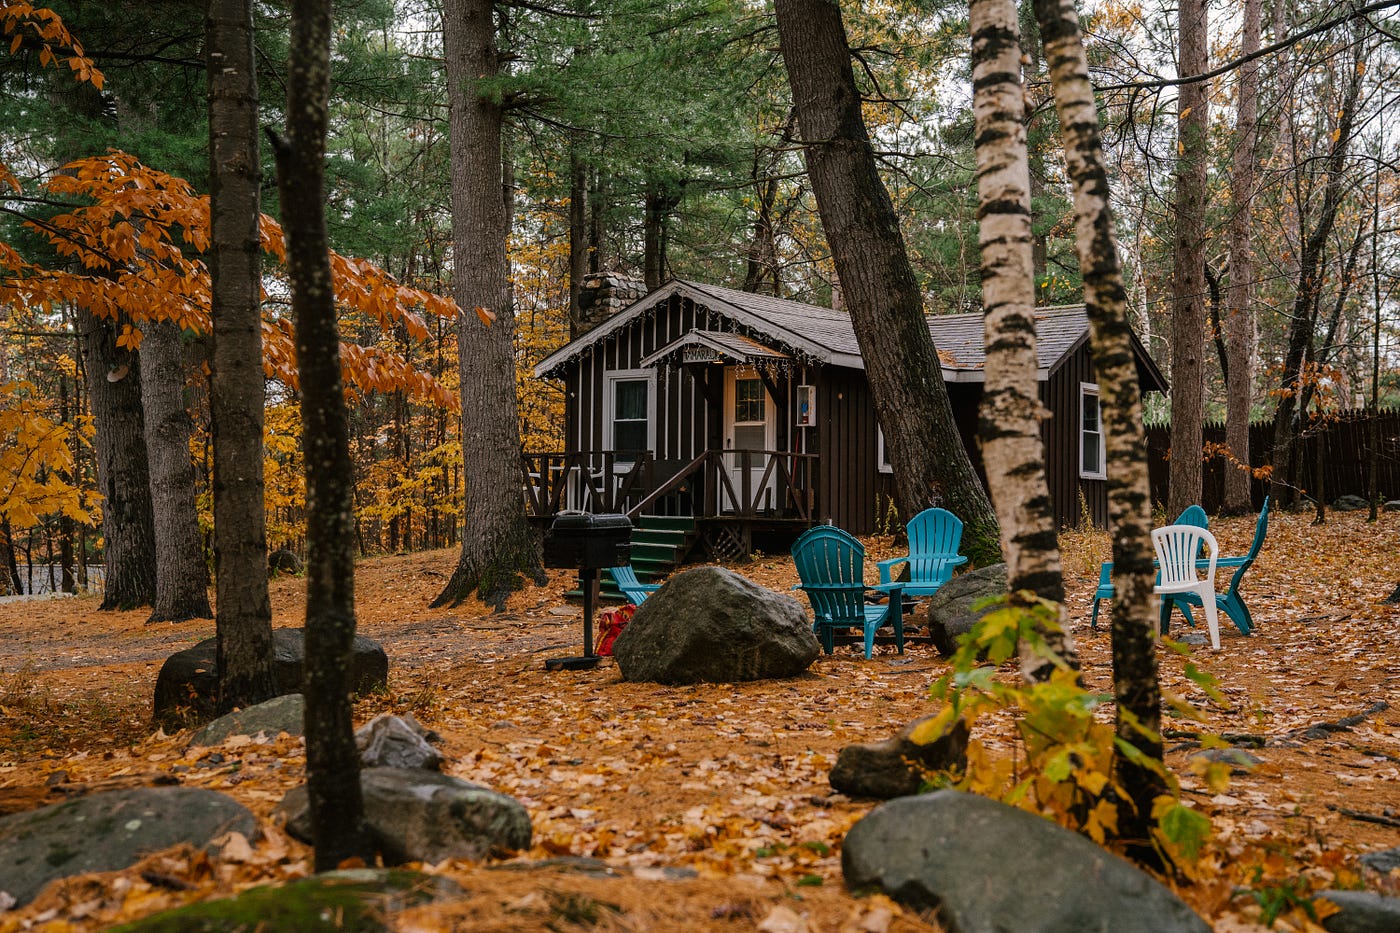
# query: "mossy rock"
[355,901]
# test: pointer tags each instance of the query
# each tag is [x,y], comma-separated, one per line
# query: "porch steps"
[659,542]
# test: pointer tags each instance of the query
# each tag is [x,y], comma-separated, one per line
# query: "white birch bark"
[1010,419]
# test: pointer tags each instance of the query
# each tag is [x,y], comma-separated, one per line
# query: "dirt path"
[718,793]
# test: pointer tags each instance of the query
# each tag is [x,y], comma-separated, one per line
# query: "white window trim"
[610,381]
[1091,388]
[880,463]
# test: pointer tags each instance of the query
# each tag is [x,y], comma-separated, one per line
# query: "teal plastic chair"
[1231,602]
[635,590]
[934,538]
[831,565]
[1192,515]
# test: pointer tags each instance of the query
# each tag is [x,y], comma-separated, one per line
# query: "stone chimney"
[603,294]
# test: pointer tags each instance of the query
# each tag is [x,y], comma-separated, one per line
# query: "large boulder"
[424,816]
[898,767]
[359,899]
[711,625]
[188,681]
[109,831]
[950,612]
[1351,503]
[280,714]
[986,867]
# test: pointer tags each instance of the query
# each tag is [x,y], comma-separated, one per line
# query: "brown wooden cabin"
[751,415]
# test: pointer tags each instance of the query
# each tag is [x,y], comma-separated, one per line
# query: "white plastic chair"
[1178,549]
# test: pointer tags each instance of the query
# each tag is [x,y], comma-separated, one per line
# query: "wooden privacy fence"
[1345,442]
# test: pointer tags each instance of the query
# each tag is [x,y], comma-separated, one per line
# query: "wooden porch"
[732,495]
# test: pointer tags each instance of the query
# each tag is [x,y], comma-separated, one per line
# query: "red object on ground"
[611,622]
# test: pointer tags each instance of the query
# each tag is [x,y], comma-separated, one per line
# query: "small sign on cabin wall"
[698,353]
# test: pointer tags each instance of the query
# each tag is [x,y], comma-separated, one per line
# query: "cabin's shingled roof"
[827,336]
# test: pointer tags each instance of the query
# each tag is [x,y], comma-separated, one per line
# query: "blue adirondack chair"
[1231,602]
[831,565]
[1193,515]
[934,538]
[635,590]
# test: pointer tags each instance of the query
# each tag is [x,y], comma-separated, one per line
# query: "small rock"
[283,560]
[897,766]
[109,831]
[1239,760]
[986,867]
[424,816]
[189,679]
[1362,912]
[1382,860]
[1392,505]
[950,612]
[280,714]
[388,741]
[362,899]
[1350,503]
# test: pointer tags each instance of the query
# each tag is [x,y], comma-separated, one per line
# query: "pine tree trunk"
[498,547]
[1239,322]
[1135,681]
[578,236]
[1303,321]
[1188,335]
[236,382]
[336,808]
[877,281]
[123,474]
[182,578]
[1011,413]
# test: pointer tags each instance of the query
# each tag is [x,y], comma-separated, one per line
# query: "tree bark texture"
[1240,340]
[1136,687]
[578,235]
[123,473]
[1010,418]
[877,281]
[498,547]
[182,578]
[336,807]
[1188,336]
[236,383]
[1303,322]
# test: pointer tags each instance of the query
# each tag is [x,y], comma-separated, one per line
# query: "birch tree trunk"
[1239,297]
[1188,262]
[1136,688]
[876,279]
[498,547]
[336,807]
[1011,414]
[236,384]
[182,579]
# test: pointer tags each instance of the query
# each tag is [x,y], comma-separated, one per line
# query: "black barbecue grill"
[587,542]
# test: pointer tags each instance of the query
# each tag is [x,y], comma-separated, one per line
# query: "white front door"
[749,425]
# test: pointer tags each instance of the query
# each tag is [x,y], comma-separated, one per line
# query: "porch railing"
[732,483]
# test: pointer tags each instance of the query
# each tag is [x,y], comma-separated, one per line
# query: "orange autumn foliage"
[135,246]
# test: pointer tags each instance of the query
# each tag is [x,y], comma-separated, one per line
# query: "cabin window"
[882,451]
[749,401]
[630,403]
[1091,443]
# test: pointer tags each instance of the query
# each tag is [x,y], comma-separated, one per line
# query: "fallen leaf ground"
[709,804]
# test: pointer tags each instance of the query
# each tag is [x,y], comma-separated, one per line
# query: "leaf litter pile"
[707,807]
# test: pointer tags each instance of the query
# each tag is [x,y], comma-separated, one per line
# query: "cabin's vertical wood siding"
[847,445]
[1060,394]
